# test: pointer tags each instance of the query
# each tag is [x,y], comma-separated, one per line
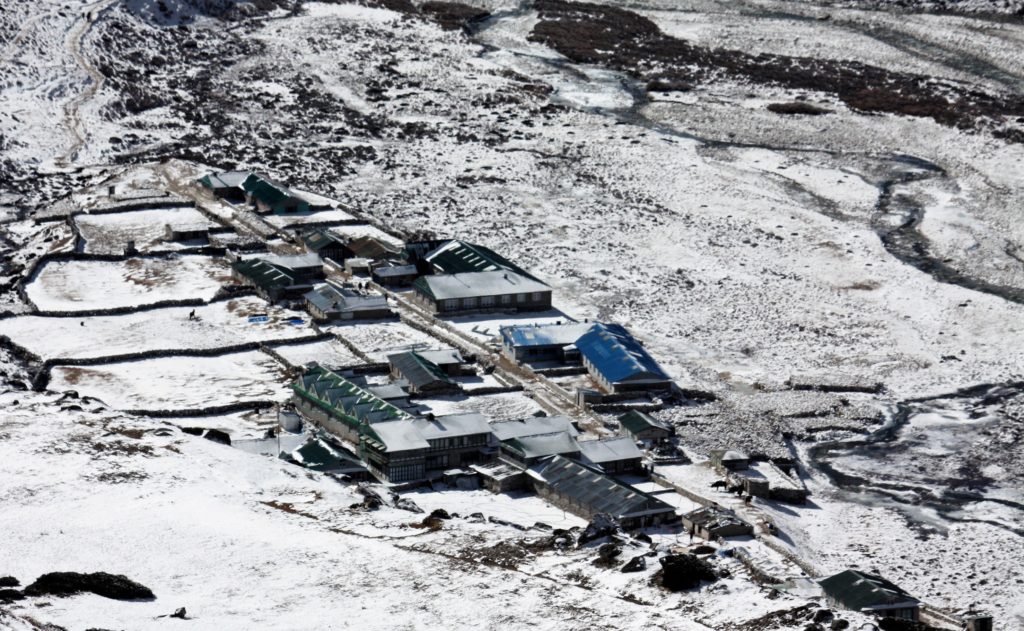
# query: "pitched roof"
[477,284]
[442,357]
[227,179]
[589,487]
[417,370]
[455,257]
[544,445]
[710,517]
[610,450]
[532,426]
[636,421]
[368,247]
[266,190]
[339,396]
[618,356]
[317,240]
[263,274]
[521,335]
[858,590]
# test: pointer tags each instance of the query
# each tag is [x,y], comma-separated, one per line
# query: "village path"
[72,109]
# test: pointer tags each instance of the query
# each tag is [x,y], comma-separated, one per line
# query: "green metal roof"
[263,274]
[456,257]
[343,399]
[636,421]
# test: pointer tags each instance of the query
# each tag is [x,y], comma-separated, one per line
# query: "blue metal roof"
[617,355]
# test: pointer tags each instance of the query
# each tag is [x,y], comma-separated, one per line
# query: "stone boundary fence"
[211,410]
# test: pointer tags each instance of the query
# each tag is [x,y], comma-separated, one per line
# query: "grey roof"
[477,284]
[228,179]
[637,421]
[452,425]
[328,297]
[294,261]
[532,426]
[442,357]
[858,591]
[589,487]
[399,436]
[387,392]
[528,335]
[388,271]
[727,455]
[610,450]
[542,445]
[711,518]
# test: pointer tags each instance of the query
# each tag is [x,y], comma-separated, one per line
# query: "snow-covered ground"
[177,383]
[87,285]
[109,234]
[379,339]
[221,323]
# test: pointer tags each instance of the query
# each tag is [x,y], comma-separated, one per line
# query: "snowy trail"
[72,118]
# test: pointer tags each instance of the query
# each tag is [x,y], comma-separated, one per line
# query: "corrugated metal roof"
[617,355]
[442,357]
[610,450]
[544,445]
[478,284]
[330,298]
[524,335]
[452,425]
[417,370]
[227,179]
[636,421]
[399,436]
[532,426]
[858,590]
[456,257]
[334,392]
[589,487]
[264,274]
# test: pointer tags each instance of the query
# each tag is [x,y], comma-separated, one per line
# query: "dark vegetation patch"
[798,107]
[683,571]
[625,41]
[453,16]
[115,586]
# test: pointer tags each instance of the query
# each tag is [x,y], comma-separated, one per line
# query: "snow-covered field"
[87,285]
[221,323]
[380,339]
[298,219]
[327,353]
[177,383]
[109,234]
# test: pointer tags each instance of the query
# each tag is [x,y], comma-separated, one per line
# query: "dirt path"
[73,44]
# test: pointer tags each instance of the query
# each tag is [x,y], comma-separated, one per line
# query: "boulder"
[7,595]
[115,586]
[839,624]
[684,571]
[636,564]
[8,581]
[608,551]
[822,615]
[407,504]
[602,525]
[440,513]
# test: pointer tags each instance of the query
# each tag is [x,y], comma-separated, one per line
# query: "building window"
[535,296]
[468,303]
[487,301]
[450,305]
[506,299]
[520,297]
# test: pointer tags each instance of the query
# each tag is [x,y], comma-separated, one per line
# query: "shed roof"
[532,426]
[711,517]
[456,257]
[317,240]
[442,357]
[328,297]
[368,247]
[390,271]
[610,450]
[858,590]
[618,356]
[636,421]
[477,284]
[589,487]
[266,190]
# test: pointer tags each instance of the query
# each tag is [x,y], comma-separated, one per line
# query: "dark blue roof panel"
[617,355]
